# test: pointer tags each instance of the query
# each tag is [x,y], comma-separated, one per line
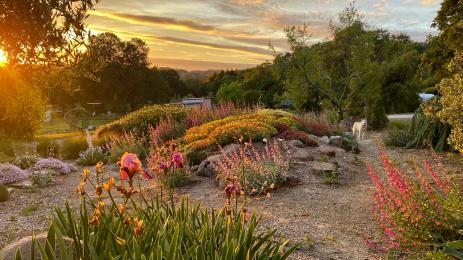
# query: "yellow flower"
[99,190]
[81,188]
[121,208]
[107,186]
[138,225]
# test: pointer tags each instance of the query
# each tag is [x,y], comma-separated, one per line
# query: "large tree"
[42,32]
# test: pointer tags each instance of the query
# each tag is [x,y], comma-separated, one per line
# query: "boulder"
[295,144]
[323,167]
[302,155]
[325,139]
[24,245]
[336,140]
[231,148]
[331,151]
[206,167]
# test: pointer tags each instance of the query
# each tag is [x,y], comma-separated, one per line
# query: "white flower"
[281,140]
[265,140]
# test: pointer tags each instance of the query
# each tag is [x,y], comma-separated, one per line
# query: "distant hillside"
[195,74]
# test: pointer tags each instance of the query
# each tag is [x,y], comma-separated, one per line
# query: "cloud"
[428,2]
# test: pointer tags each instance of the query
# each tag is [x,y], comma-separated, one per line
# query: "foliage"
[425,130]
[54,165]
[137,122]
[299,135]
[42,178]
[153,228]
[48,148]
[116,146]
[4,194]
[165,130]
[91,156]
[397,134]
[255,171]
[251,126]
[331,178]
[169,165]
[200,115]
[195,156]
[451,108]
[71,148]
[417,211]
[26,161]
[10,173]
[42,32]
[21,105]
[232,92]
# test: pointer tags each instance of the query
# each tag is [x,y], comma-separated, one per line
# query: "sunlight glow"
[3,58]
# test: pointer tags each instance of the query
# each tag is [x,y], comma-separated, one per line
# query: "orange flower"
[127,221]
[138,225]
[81,188]
[107,186]
[95,220]
[121,208]
[131,165]
[99,190]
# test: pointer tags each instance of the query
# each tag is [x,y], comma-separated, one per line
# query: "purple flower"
[10,173]
[164,166]
[54,165]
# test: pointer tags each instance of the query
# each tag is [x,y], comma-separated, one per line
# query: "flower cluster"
[55,165]
[10,173]
[169,163]
[200,115]
[416,210]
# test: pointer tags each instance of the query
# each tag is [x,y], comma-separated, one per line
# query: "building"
[196,102]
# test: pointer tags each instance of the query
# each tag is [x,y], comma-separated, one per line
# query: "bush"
[71,148]
[47,148]
[91,156]
[4,194]
[254,126]
[395,136]
[116,146]
[254,172]
[137,122]
[42,178]
[165,130]
[10,173]
[417,211]
[195,157]
[319,129]
[56,166]
[26,161]
[299,135]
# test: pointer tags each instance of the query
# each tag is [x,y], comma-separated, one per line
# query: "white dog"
[359,129]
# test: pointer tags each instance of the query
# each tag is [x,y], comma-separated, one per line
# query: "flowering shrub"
[416,211]
[10,173]
[42,178]
[319,129]
[25,162]
[168,163]
[253,171]
[91,156]
[55,165]
[318,124]
[116,146]
[165,130]
[254,126]
[137,122]
[200,115]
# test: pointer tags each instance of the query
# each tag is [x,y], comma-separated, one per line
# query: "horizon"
[235,34]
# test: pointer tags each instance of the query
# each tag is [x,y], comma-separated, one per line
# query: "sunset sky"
[215,34]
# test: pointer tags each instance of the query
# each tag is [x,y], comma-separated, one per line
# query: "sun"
[3,58]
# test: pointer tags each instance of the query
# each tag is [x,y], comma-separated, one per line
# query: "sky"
[235,34]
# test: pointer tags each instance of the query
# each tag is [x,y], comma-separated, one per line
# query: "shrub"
[195,157]
[165,130]
[200,115]
[417,211]
[299,135]
[116,146]
[42,178]
[47,148]
[253,171]
[397,137]
[26,161]
[91,156]
[427,131]
[318,129]
[249,130]
[71,148]
[54,165]
[10,173]
[350,144]
[255,125]
[137,122]
[168,163]
[4,194]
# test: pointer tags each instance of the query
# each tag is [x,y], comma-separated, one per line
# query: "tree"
[449,21]
[232,92]
[21,105]
[42,32]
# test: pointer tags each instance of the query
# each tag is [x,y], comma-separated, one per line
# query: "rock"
[302,155]
[295,144]
[331,151]
[231,148]
[24,245]
[336,140]
[206,167]
[322,167]
[325,139]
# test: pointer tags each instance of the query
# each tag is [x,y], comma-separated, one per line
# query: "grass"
[59,126]
[28,211]
[331,178]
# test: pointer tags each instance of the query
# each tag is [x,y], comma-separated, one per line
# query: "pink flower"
[177,158]
[130,165]
[163,166]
